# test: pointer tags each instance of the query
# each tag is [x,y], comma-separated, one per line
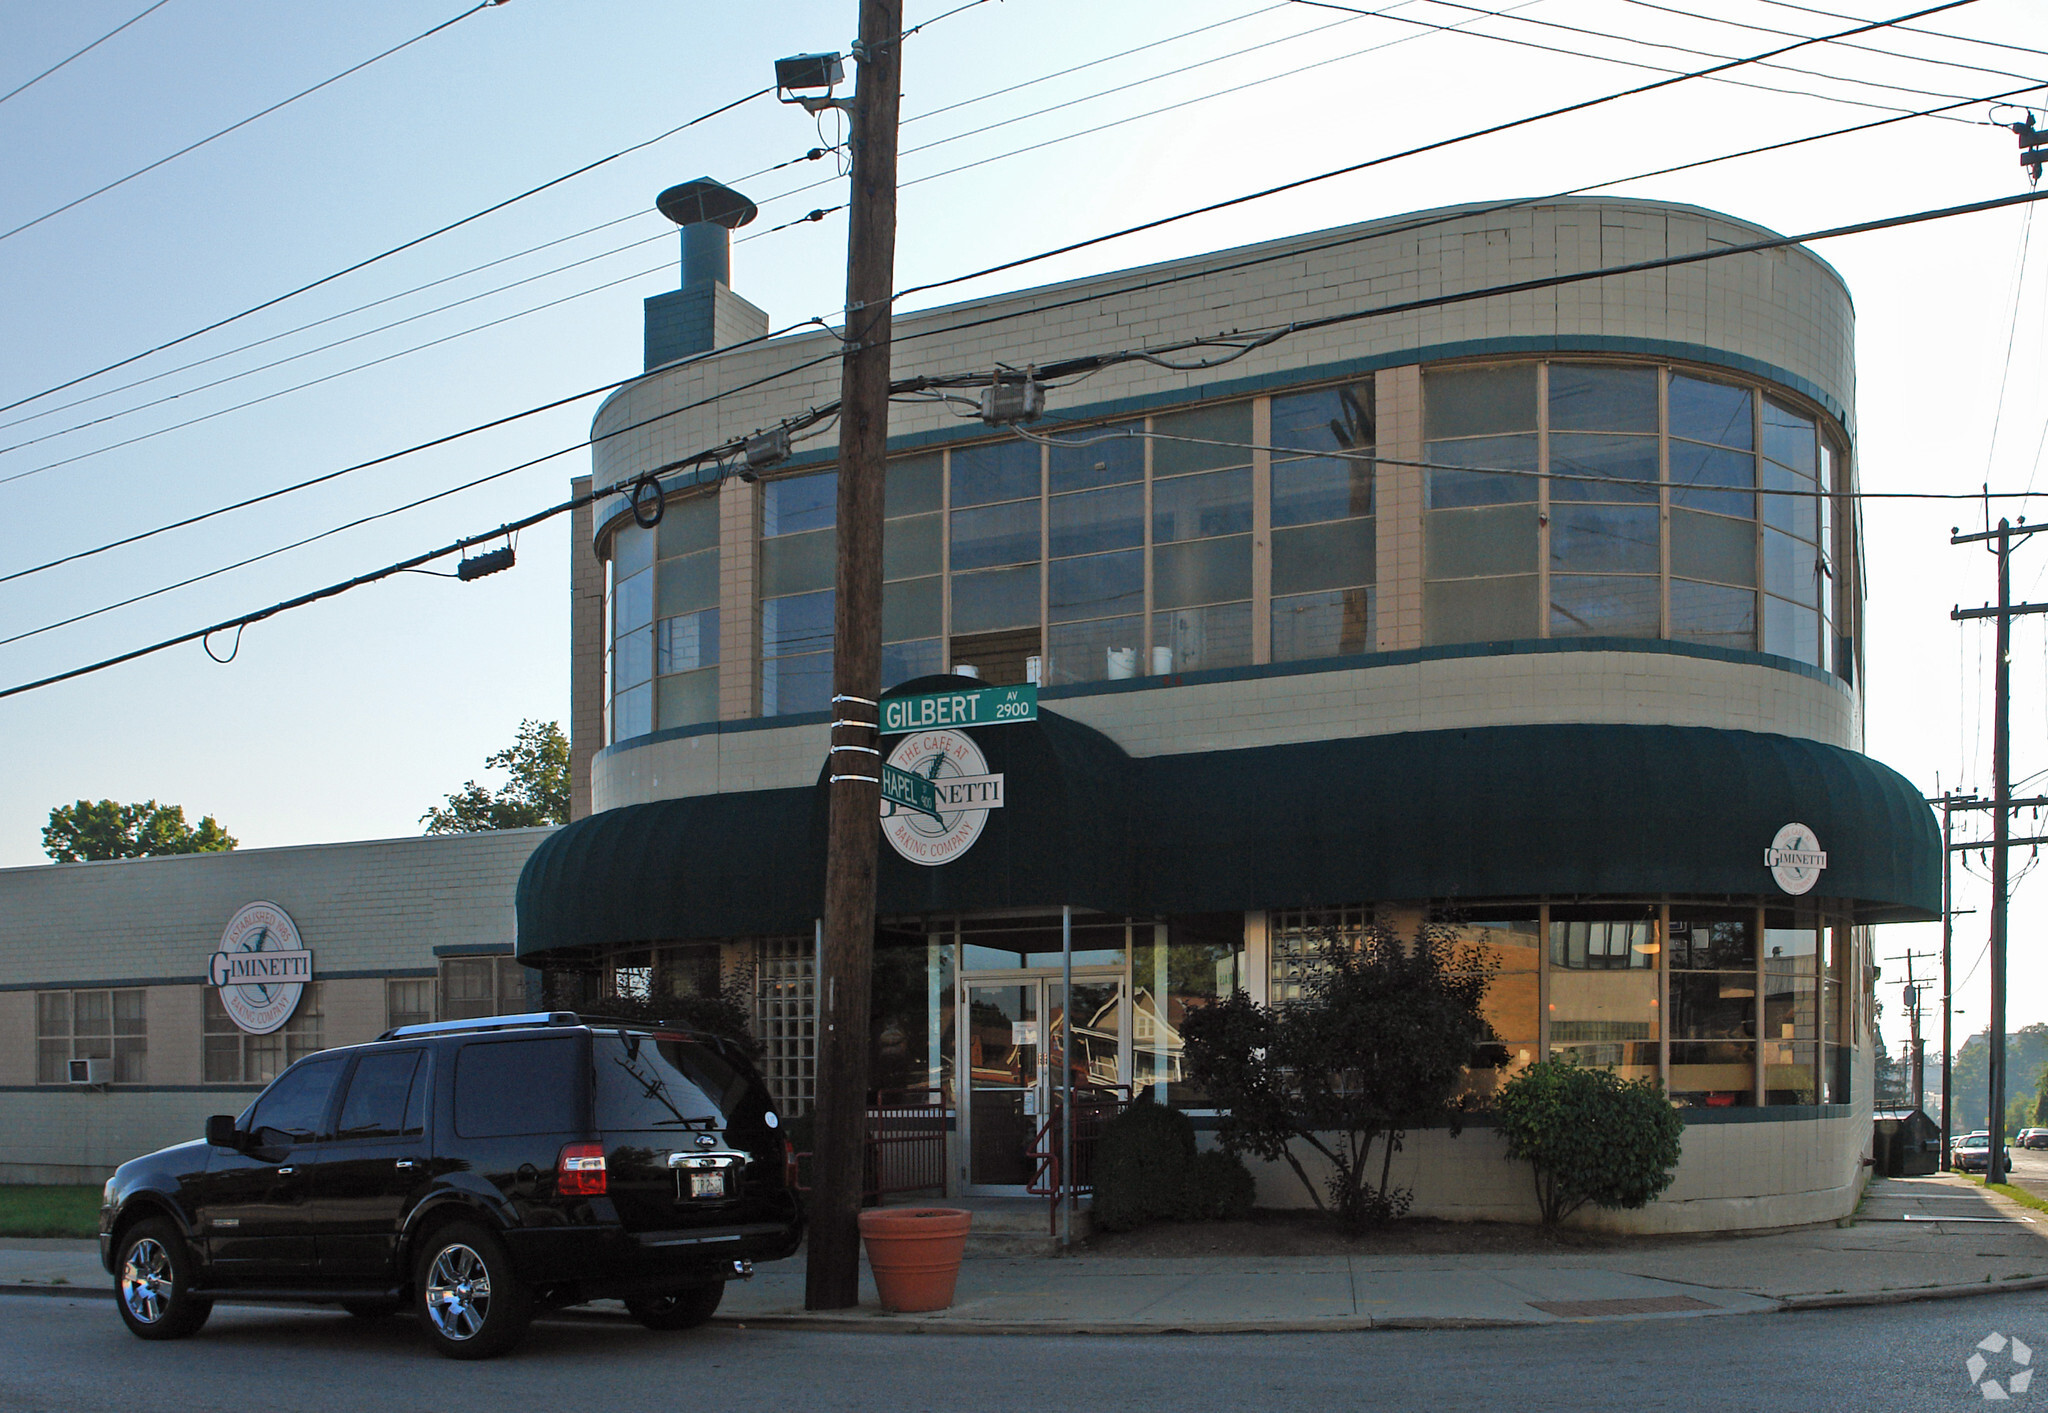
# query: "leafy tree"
[2026,1051]
[537,792]
[102,829]
[1379,1044]
[1589,1136]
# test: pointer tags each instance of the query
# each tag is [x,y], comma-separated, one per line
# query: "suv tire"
[468,1300]
[683,1309]
[153,1283]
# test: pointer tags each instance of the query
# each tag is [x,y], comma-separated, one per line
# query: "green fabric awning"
[1562,811]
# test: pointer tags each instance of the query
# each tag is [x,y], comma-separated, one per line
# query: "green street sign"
[984,706]
[907,790]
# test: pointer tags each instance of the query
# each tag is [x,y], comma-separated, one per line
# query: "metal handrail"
[1090,1113]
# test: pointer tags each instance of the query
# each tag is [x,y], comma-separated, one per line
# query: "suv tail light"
[789,1168]
[579,1172]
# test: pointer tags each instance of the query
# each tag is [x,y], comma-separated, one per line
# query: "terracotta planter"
[915,1254]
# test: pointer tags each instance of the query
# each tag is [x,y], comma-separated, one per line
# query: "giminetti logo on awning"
[1795,859]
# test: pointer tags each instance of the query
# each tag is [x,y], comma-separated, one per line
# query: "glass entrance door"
[1012,1040]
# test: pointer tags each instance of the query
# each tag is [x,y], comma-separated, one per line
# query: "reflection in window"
[1603,987]
[1719,545]
[1323,527]
[1177,966]
[1480,530]
[798,563]
[1201,539]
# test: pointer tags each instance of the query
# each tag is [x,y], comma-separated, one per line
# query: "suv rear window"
[661,1083]
[508,1087]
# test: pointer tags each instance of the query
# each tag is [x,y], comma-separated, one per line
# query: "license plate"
[710,1184]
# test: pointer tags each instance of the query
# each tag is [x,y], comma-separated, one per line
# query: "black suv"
[479,1170]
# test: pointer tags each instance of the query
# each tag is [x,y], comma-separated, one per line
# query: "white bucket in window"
[1120,664]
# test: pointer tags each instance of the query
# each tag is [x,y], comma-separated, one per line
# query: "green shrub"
[1147,1170]
[1141,1163]
[1589,1136]
[1219,1188]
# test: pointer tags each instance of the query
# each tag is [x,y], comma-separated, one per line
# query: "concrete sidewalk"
[1913,1239]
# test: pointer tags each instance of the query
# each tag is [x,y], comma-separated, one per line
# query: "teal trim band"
[1405,658]
[476,949]
[1542,345]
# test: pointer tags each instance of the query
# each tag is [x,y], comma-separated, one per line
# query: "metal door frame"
[1044,978]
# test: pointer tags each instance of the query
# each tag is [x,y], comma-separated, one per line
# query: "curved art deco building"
[1537,614]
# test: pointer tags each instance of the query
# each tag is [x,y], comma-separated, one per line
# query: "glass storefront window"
[799,553]
[1512,939]
[1177,966]
[1603,1007]
[1791,1010]
[1713,1007]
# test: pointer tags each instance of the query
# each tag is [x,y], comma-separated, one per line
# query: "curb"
[1351,1324]
[1843,1299]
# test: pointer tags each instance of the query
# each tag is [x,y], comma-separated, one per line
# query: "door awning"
[1560,811]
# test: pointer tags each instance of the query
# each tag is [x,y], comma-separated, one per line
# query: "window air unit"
[92,1071]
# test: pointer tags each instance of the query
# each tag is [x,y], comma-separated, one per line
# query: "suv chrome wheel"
[469,1302]
[146,1281]
[459,1292]
[153,1284]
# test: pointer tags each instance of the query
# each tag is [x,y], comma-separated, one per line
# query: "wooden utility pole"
[832,1275]
[2001,813]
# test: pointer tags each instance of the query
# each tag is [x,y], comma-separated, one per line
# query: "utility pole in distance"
[1950,802]
[832,1275]
[2001,811]
[1917,1054]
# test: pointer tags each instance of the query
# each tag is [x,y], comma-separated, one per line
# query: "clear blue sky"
[349,719]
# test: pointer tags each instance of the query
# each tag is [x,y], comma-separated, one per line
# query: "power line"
[236,126]
[81,53]
[443,230]
[325,377]
[386,254]
[1845,44]
[1072,367]
[1489,131]
[1708,54]
[391,456]
[957,279]
[906,337]
[1909,29]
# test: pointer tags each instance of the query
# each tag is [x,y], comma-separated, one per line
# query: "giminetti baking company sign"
[261,969]
[1795,859]
[962,792]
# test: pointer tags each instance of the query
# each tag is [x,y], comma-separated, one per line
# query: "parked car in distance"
[2032,1138]
[1972,1153]
[475,1171]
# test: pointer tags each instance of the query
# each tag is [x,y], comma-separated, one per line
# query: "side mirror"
[220,1131]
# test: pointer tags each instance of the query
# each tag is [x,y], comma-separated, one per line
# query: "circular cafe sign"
[939,827]
[1795,859]
[261,968]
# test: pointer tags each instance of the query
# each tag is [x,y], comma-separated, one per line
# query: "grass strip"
[53,1210]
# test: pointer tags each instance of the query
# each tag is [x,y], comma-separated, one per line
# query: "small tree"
[101,829]
[1379,1045]
[1589,1136]
[536,793]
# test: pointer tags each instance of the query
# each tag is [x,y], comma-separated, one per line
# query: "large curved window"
[662,607]
[1606,500]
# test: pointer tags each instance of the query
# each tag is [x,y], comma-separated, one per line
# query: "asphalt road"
[2030,1170]
[58,1355]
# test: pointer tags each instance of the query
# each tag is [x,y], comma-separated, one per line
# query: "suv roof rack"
[449,1027]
